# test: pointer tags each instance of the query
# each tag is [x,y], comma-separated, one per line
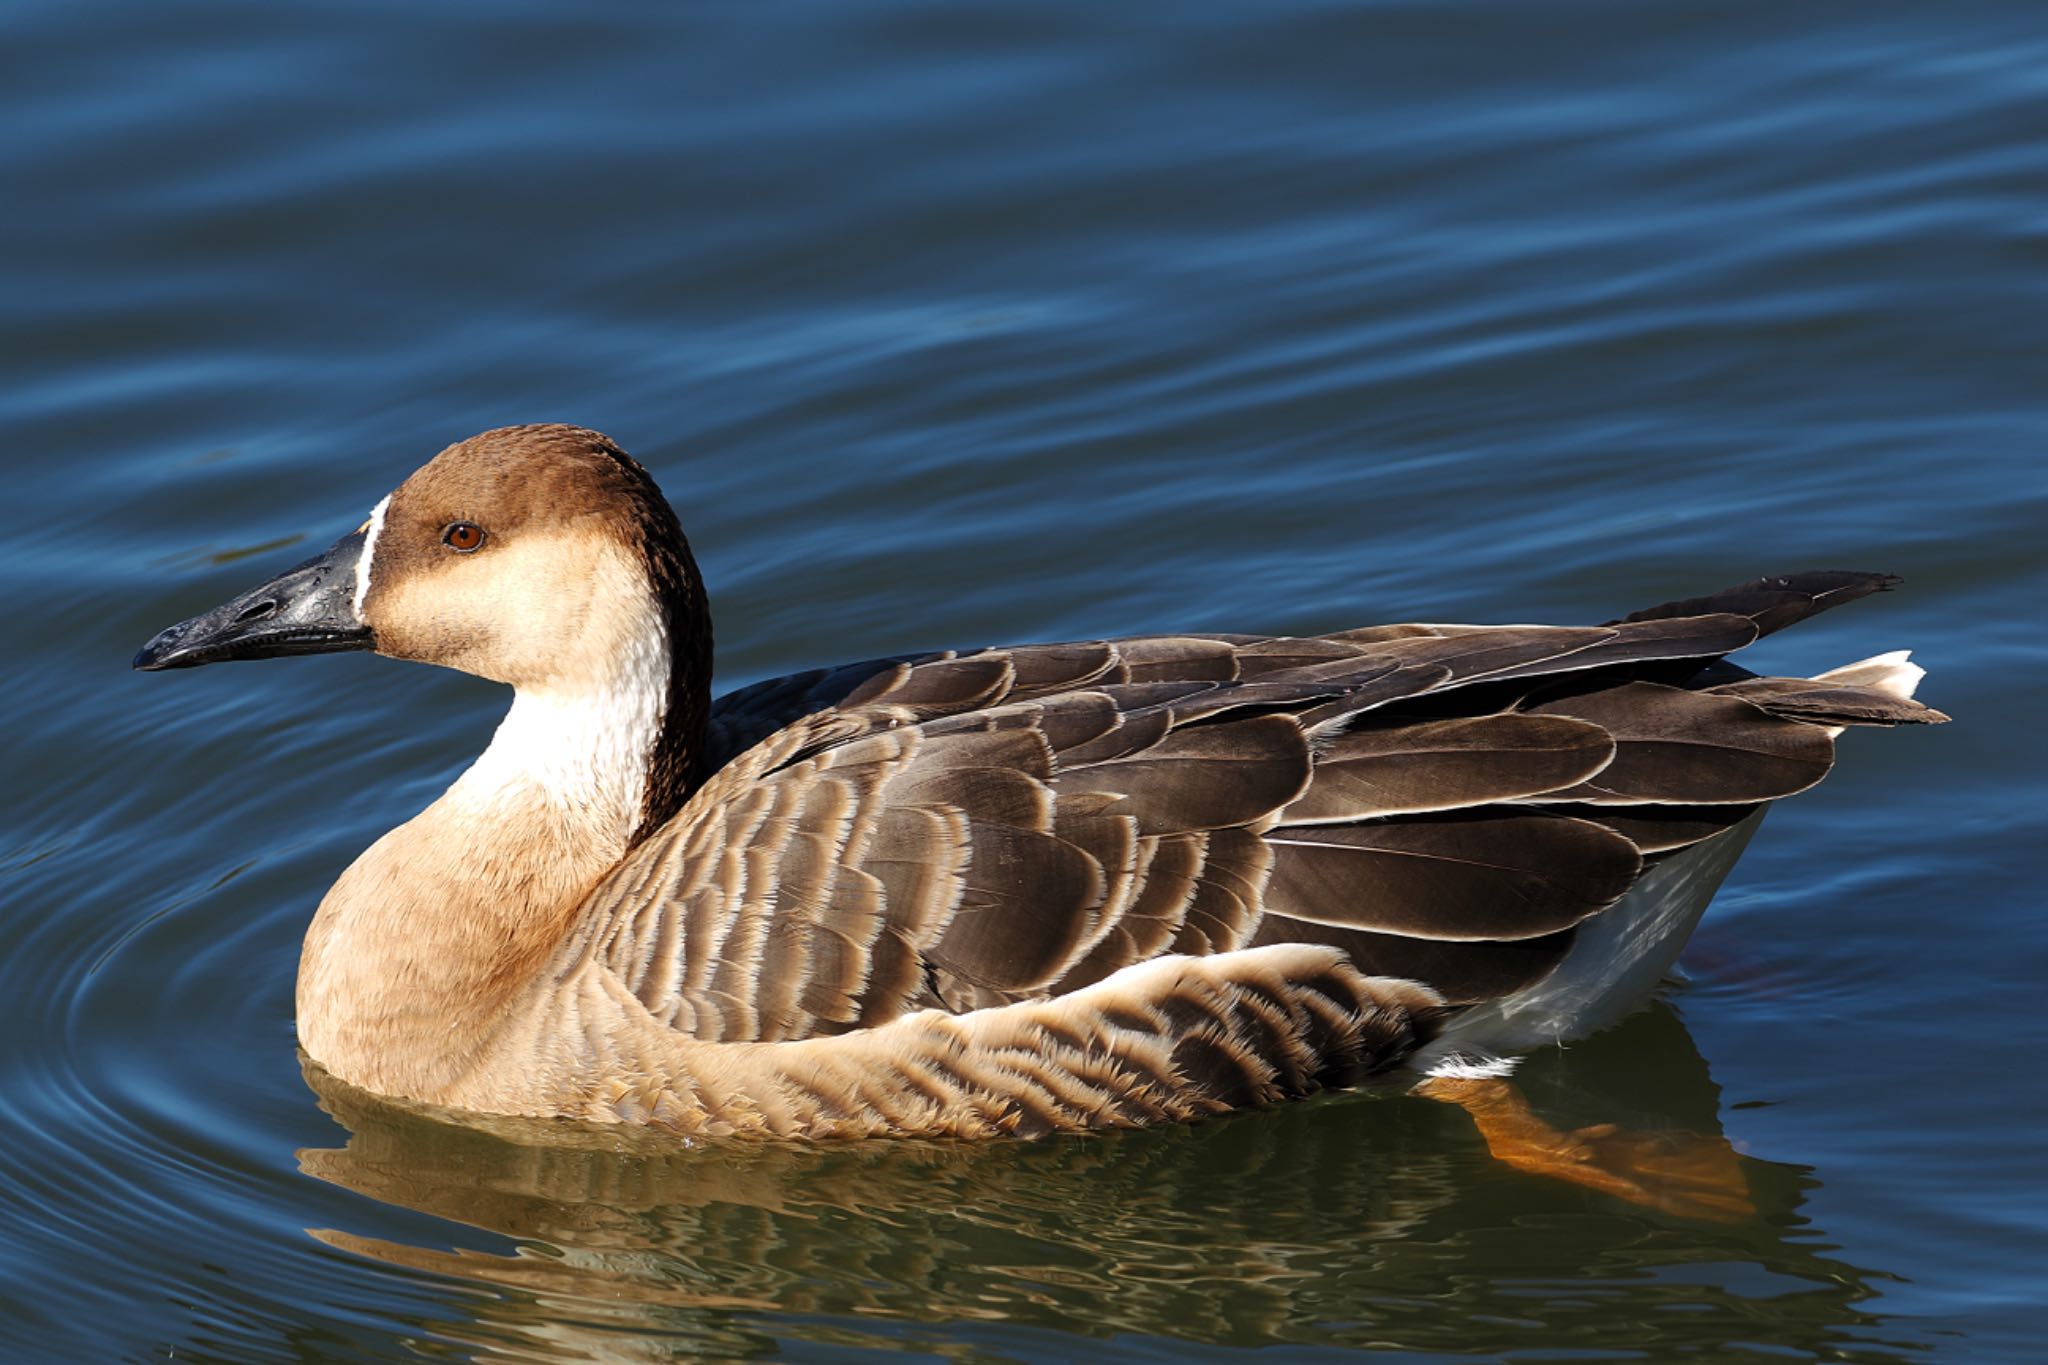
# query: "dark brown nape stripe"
[674,769]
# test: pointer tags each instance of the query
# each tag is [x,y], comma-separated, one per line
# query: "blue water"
[947,325]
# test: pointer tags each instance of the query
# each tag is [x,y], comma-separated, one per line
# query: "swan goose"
[1007,891]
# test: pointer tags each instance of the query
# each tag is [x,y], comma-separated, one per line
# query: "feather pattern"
[963,836]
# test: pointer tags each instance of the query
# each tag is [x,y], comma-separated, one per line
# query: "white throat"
[582,745]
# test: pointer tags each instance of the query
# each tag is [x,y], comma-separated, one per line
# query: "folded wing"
[1445,804]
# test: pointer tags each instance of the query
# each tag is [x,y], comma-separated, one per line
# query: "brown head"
[525,555]
[540,556]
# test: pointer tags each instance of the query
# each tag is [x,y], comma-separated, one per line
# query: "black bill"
[309,609]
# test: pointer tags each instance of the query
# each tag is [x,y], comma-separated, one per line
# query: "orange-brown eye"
[463,535]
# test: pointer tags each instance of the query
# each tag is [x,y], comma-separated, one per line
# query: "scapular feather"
[1475,876]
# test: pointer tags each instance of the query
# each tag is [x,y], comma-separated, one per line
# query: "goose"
[1007,891]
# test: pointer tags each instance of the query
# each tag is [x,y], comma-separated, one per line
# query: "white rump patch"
[371,530]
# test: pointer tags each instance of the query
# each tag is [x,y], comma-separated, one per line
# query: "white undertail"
[1622,953]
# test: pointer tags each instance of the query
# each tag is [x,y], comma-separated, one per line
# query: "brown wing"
[1442,803]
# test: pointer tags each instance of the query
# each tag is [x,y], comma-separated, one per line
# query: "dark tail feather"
[1776,602]
[1820,701]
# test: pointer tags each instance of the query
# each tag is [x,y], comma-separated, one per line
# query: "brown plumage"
[1003,891]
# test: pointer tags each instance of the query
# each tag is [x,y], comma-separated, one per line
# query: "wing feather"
[1824,703]
[1022,911]
[1481,876]
[1202,776]
[1673,746]
[1402,769]
[1463,973]
[1777,602]
[1443,804]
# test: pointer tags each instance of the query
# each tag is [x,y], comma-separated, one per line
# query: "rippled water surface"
[947,325]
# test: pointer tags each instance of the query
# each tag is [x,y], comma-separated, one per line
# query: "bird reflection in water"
[1357,1219]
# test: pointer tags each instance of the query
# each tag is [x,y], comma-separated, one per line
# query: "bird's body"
[1006,891]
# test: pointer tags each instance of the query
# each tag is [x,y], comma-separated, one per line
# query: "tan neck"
[434,933]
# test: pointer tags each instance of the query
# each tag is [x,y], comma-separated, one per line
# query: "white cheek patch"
[371,530]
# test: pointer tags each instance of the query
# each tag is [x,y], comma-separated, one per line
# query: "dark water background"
[954,324]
